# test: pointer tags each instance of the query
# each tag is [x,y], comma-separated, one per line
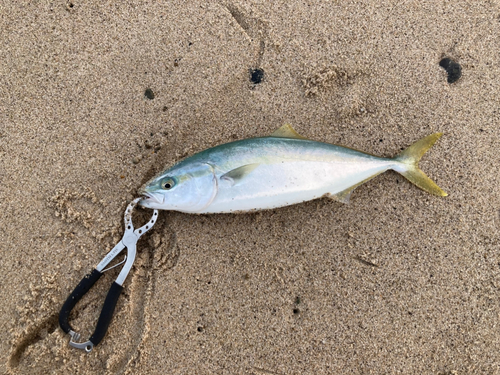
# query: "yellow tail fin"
[411,156]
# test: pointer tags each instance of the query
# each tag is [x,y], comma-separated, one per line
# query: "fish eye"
[168,184]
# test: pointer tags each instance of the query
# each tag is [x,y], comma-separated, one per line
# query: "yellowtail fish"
[279,170]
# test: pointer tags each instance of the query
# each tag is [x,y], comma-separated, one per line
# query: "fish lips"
[151,200]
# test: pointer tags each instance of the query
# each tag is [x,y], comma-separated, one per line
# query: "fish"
[278,170]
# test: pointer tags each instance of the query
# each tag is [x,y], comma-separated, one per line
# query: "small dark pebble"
[296,311]
[149,94]
[453,69]
[256,75]
[200,329]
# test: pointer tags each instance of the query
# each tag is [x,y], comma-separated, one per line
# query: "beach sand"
[397,281]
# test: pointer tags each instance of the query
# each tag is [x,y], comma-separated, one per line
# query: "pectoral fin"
[286,131]
[236,175]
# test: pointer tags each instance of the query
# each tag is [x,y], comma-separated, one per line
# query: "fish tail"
[409,167]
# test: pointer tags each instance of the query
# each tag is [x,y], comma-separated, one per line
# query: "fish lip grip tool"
[129,241]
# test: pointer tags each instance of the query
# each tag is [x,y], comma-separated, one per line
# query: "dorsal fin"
[286,131]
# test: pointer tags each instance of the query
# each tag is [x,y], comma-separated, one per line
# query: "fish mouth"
[149,199]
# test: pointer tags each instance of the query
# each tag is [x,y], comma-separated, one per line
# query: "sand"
[398,281]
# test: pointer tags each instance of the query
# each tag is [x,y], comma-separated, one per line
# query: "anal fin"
[345,195]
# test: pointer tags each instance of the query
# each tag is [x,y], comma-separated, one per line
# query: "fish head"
[186,187]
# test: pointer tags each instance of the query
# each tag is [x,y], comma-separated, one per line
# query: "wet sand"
[95,98]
